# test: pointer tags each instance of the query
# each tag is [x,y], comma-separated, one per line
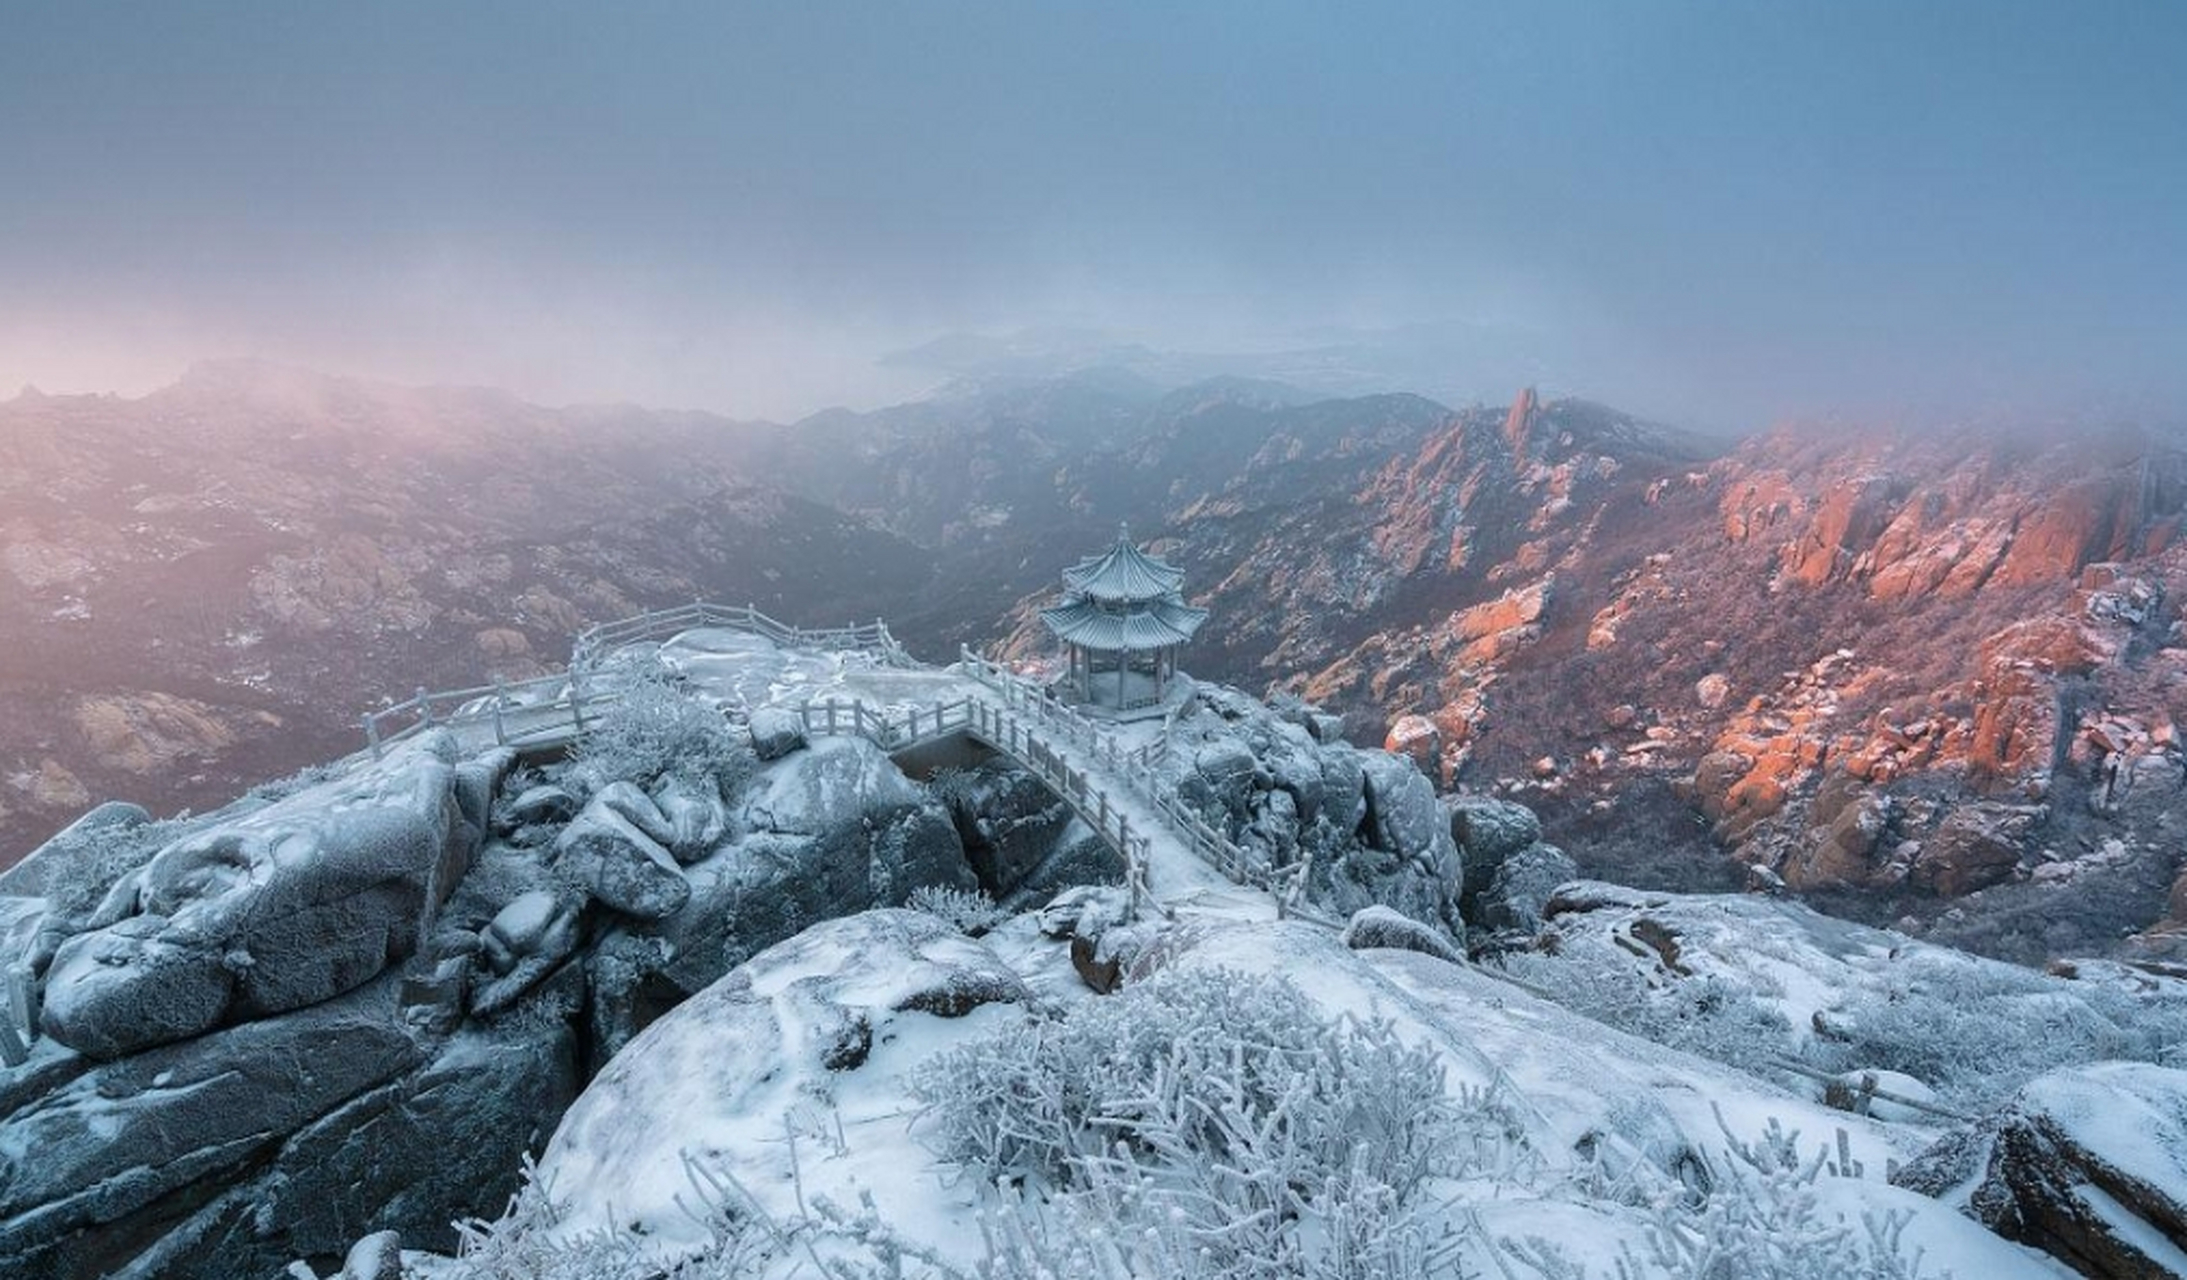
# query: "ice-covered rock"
[544,805]
[617,863]
[1521,887]
[695,816]
[821,833]
[521,945]
[89,1165]
[1022,841]
[2087,1164]
[720,1076]
[276,909]
[848,814]
[1379,927]
[1366,821]
[776,732]
[1487,831]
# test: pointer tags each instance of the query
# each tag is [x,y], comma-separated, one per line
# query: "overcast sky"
[1721,212]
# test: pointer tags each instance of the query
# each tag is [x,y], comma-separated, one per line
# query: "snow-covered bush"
[1762,1219]
[86,865]
[656,729]
[970,911]
[1209,1124]
[1704,1016]
[1977,1031]
[528,1241]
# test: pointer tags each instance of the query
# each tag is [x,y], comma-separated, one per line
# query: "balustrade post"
[577,703]
[501,736]
[372,734]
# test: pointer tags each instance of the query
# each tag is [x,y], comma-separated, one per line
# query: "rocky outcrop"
[276,909]
[1364,826]
[102,1161]
[617,863]
[2089,1165]
[770,1039]
[1023,843]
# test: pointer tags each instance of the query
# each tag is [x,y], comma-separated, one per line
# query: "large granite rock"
[613,859]
[693,813]
[279,908]
[821,833]
[1519,891]
[1367,822]
[444,1141]
[767,1041]
[2087,1164]
[100,1161]
[1022,842]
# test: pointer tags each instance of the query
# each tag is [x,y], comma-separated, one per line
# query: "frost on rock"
[1758,981]
[618,864]
[2088,1164]
[279,908]
[786,1035]
[1380,927]
[1366,824]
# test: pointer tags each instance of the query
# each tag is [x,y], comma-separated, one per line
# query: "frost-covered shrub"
[1704,1016]
[1761,1219]
[969,911]
[655,729]
[1209,1125]
[85,866]
[528,1241]
[1976,1031]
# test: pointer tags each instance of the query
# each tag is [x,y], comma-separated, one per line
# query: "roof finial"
[1123,532]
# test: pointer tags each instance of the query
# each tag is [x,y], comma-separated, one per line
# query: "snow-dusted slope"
[799,1076]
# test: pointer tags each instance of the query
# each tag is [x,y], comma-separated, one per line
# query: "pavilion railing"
[559,705]
[1138,772]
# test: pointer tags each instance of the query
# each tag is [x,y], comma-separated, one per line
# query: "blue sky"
[1723,212]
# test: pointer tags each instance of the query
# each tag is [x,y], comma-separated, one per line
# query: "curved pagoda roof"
[1157,624]
[1125,575]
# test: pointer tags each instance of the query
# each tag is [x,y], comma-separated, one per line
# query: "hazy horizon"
[1710,213]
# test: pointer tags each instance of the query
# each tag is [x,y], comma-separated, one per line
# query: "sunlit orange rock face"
[1868,662]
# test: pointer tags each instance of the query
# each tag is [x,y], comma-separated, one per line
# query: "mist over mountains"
[1684,652]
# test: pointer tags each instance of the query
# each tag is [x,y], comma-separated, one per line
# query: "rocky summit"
[726,980]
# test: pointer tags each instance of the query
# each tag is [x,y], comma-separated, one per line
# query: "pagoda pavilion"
[1121,620]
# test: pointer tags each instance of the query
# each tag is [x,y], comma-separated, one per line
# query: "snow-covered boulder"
[87,1161]
[544,805]
[845,813]
[776,732]
[1367,821]
[823,1020]
[1380,927]
[616,862]
[1521,887]
[1487,831]
[831,831]
[1021,840]
[693,814]
[522,944]
[281,907]
[2088,1164]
